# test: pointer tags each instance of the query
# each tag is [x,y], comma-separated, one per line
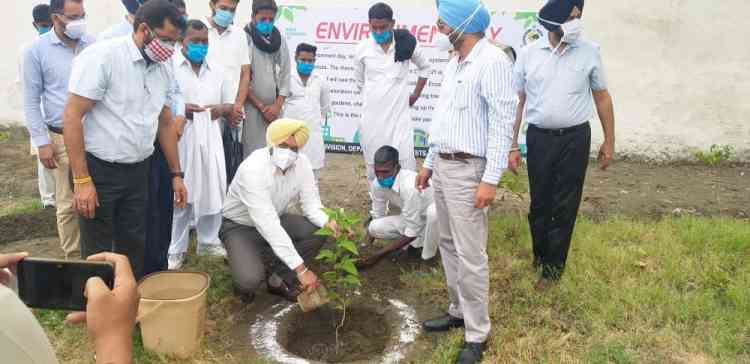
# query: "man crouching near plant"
[263,241]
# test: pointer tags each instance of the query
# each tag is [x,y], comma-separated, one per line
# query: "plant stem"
[340,325]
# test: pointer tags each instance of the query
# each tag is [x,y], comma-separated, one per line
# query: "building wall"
[679,70]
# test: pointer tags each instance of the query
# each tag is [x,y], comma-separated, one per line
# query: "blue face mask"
[305,68]
[43,30]
[381,38]
[223,18]
[387,182]
[196,52]
[265,27]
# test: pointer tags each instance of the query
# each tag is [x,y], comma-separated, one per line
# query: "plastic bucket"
[172,312]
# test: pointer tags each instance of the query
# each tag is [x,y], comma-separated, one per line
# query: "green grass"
[634,292]
[20,206]
[672,291]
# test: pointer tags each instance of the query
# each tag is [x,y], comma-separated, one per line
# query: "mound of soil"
[312,335]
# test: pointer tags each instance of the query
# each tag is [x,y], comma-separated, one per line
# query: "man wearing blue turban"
[471,136]
[559,80]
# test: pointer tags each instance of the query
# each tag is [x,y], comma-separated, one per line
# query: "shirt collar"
[545,44]
[135,53]
[183,61]
[55,40]
[211,26]
[475,51]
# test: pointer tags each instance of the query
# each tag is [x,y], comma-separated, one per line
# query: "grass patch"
[20,206]
[716,155]
[634,292]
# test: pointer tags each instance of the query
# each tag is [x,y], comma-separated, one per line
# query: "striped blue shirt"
[476,110]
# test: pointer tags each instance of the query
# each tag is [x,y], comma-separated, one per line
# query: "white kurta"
[384,85]
[201,149]
[310,102]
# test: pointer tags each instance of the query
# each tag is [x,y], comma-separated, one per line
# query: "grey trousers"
[463,243]
[251,259]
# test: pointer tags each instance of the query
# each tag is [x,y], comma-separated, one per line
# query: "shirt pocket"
[462,96]
[575,77]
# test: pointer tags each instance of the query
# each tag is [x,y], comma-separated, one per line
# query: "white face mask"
[283,158]
[572,30]
[443,43]
[75,29]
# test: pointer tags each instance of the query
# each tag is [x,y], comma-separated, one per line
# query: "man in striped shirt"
[469,144]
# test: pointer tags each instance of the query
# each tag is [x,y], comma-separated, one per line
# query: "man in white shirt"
[381,67]
[45,177]
[470,139]
[309,100]
[229,50]
[208,96]
[259,233]
[121,89]
[416,225]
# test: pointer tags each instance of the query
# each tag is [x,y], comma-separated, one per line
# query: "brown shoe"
[543,284]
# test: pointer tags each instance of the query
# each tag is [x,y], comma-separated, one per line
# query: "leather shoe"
[444,323]
[471,353]
[246,298]
[285,291]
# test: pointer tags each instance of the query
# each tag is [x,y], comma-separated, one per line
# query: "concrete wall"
[679,70]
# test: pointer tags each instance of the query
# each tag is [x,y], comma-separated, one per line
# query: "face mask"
[75,29]
[42,30]
[283,158]
[265,27]
[224,18]
[305,68]
[158,50]
[387,182]
[196,52]
[572,31]
[443,42]
[381,38]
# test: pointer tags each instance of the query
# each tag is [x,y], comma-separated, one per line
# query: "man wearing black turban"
[556,78]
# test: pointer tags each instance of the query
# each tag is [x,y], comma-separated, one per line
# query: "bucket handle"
[142,313]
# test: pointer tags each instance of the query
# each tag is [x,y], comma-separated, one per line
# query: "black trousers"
[557,163]
[159,213]
[118,225]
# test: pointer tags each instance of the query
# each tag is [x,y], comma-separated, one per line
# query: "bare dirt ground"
[628,188]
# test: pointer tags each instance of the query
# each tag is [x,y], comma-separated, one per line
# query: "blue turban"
[456,13]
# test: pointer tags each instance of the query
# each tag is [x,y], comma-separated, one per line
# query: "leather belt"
[55,130]
[561,132]
[460,156]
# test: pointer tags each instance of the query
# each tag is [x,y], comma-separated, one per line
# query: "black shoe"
[246,298]
[444,323]
[285,291]
[471,353]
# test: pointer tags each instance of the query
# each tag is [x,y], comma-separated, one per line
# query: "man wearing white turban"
[469,144]
[259,234]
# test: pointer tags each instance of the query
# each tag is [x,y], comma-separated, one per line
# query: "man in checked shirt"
[469,144]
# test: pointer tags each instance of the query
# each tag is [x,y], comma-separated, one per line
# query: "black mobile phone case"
[59,285]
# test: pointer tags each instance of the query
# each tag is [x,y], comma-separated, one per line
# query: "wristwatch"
[178,174]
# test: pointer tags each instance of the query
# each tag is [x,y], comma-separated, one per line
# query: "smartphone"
[59,284]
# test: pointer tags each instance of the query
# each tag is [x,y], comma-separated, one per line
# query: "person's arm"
[379,202]
[605,109]
[424,68]
[33,82]
[519,85]
[168,141]
[359,68]
[325,98]
[285,77]
[310,202]
[85,199]
[244,60]
[497,94]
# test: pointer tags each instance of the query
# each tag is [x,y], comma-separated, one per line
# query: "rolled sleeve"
[379,202]
[175,97]
[257,199]
[501,106]
[90,76]
[519,73]
[32,98]
[429,161]
[424,68]
[597,78]
[285,70]
[413,213]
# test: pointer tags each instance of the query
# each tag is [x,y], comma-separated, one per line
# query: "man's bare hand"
[191,109]
[514,161]
[606,154]
[85,200]
[180,193]
[46,155]
[423,179]
[485,195]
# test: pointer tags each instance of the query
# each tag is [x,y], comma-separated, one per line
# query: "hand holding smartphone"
[59,284]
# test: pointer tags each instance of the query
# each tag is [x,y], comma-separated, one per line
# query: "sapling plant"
[343,278]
